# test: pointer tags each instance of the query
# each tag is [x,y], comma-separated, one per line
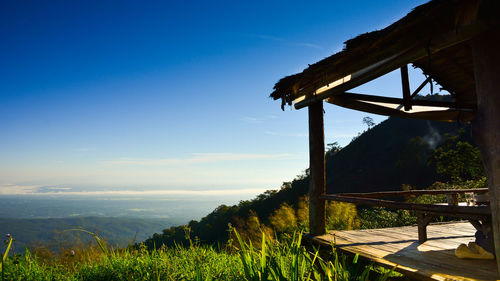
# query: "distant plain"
[43,220]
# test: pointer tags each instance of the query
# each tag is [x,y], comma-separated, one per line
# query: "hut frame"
[455,43]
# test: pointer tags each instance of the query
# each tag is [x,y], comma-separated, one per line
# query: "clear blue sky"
[167,95]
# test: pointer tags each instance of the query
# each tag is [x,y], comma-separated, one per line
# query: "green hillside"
[395,152]
[51,233]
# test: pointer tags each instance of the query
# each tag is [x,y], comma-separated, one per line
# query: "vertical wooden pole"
[317,185]
[486,125]
[422,227]
[405,82]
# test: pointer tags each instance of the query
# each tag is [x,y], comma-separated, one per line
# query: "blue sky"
[168,96]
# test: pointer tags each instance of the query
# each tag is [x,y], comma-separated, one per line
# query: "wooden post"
[423,221]
[317,185]
[486,125]
[406,87]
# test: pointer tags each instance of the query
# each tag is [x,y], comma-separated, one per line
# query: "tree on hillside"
[457,159]
[368,121]
[331,149]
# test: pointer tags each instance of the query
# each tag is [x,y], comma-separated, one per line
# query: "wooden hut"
[454,42]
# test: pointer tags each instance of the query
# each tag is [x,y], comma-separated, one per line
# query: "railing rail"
[382,194]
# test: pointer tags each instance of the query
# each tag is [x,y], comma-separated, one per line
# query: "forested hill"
[55,234]
[392,153]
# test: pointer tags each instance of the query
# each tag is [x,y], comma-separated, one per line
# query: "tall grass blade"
[96,237]
[245,259]
[6,254]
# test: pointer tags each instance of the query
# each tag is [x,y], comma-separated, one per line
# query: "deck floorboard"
[432,260]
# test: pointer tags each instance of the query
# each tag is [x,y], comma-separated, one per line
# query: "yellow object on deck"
[473,251]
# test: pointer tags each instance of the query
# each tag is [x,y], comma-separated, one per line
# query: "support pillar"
[317,184]
[486,125]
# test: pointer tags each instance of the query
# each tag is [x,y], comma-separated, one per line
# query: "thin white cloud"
[17,189]
[34,190]
[58,188]
[285,41]
[196,158]
[297,135]
[8,189]
[255,120]
[310,45]
[251,119]
[83,149]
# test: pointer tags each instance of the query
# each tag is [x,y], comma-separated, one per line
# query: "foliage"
[212,229]
[457,159]
[283,219]
[341,215]
[195,262]
[372,162]
[251,229]
[332,149]
[303,213]
[392,153]
[368,121]
[8,244]
[441,198]
[286,260]
[292,261]
[380,218]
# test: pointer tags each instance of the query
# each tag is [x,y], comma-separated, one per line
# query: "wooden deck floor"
[432,260]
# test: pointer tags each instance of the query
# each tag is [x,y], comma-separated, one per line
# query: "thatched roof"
[434,37]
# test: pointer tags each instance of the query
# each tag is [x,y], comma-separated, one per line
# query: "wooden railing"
[479,216]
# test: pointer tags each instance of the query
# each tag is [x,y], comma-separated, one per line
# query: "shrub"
[284,219]
[341,215]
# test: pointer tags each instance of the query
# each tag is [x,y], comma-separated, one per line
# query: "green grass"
[271,260]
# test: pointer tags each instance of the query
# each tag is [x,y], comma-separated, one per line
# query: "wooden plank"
[409,234]
[412,192]
[486,126]
[391,242]
[409,267]
[433,260]
[317,185]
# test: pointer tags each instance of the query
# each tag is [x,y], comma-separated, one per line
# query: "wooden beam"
[427,80]
[442,115]
[317,184]
[442,210]
[383,194]
[366,73]
[405,83]
[486,125]
[372,98]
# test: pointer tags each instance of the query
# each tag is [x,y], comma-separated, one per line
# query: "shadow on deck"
[432,260]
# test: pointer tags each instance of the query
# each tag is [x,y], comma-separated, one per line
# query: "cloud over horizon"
[12,189]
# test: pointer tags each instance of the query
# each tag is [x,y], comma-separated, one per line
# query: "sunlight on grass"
[272,260]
